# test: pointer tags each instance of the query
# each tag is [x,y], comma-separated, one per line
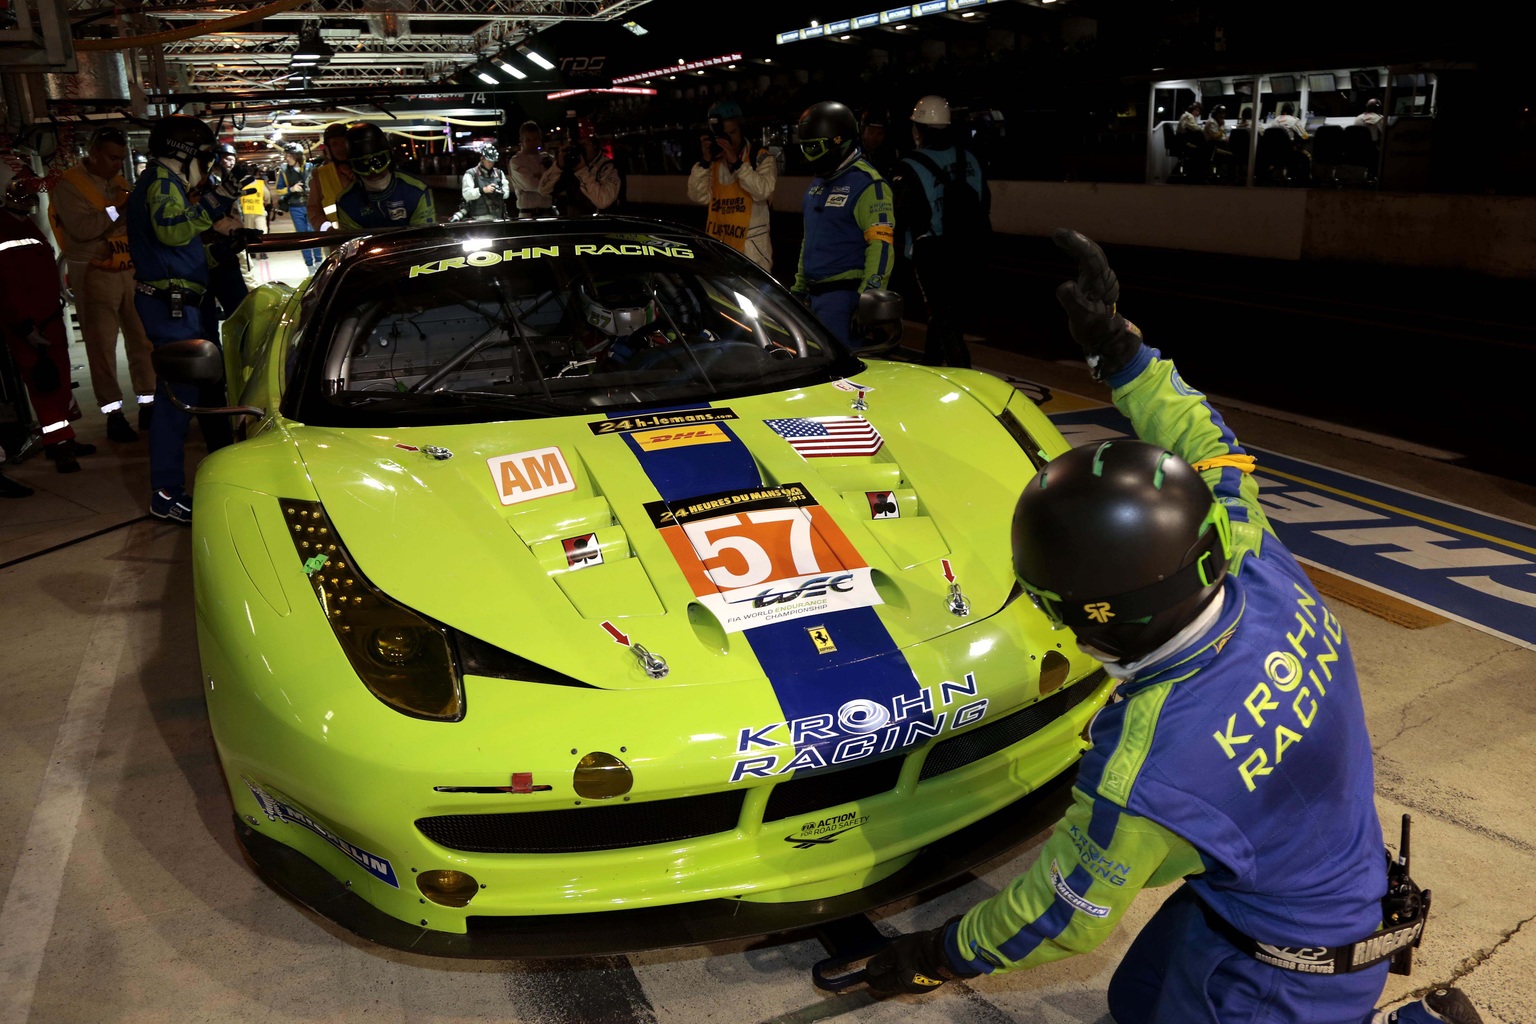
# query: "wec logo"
[817,586]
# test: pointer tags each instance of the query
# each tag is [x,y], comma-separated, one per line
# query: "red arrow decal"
[408,447]
[618,637]
[949,574]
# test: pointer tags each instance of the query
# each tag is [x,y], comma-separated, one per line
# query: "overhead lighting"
[682,65]
[815,24]
[624,90]
[508,68]
[486,77]
[968,14]
[901,28]
[845,37]
[312,49]
[730,67]
[534,56]
[635,27]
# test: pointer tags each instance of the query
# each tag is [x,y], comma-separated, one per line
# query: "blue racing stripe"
[816,692]
[1049,924]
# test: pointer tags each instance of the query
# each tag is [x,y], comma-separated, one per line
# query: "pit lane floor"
[126,899]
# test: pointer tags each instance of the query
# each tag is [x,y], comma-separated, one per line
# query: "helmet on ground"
[826,134]
[725,110]
[1123,542]
[181,137]
[618,308]
[368,150]
[21,193]
[489,152]
[932,110]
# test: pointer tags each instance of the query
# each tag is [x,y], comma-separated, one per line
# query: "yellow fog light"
[1053,671]
[449,888]
[396,645]
[601,776]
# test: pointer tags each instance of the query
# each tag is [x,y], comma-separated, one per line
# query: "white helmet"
[932,110]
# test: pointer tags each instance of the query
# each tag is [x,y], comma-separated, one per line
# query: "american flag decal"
[820,437]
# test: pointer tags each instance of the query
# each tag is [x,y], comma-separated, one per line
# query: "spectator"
[330,179]
[140,165]
[1189,121]
[1290,122]
[1245,117]
[736,179]
[849,220]
[256,203]
[591,181]
[32,318]
[167,215]
[380,196]
[534,173]
[1216,126]
[484,188]
[942,206]
[1216,136]
[1371,118]
[878,151]
[293,196]
[87,217]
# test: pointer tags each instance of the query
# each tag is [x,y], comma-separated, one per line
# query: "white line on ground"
[32,900]
[1323,426]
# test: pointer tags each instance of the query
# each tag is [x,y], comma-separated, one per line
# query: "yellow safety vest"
[118,259]
[253,198]
[730,210]
[331,188]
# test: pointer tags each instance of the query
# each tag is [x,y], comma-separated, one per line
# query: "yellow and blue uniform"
[165,229]
[408,201]
[849,246]
[1239,762]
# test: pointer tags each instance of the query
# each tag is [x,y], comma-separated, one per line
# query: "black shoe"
[146,414]
[62,455]
[119,430]
[1452,1004]
[11,489]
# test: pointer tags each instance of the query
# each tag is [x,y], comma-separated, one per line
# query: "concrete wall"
[1494,235]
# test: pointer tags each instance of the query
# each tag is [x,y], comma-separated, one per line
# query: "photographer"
[484,188]
[736,179]
[590,182]
[534,173]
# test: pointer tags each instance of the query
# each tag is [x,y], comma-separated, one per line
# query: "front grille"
[813,792]
[582,829]
[970,747]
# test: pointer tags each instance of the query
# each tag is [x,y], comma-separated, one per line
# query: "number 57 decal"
[769,565]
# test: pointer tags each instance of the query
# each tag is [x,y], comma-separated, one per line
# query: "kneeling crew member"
[850,225]
[380,197]
[167,215]
[1237,757]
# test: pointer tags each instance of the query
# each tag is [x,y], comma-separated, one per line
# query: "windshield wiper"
[446,398]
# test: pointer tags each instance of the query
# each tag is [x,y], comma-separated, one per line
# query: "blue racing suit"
[407,201]
[165,228]
[849,245]
[1239,762]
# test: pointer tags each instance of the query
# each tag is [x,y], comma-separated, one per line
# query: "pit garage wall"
[1493,235]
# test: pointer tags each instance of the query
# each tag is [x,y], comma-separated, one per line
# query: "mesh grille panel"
[581,829]
[802,796]
[970,747]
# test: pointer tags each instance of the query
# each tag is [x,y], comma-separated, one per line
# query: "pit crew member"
[380,197]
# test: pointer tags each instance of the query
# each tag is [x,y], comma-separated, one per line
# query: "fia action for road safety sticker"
[821,833]
[583,551]
[882,505]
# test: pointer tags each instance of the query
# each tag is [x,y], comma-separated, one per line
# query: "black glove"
[913,963]
[1109,340]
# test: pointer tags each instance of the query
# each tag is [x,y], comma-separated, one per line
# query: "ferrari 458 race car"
[572,589]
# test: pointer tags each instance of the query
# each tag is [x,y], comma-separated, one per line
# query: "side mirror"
[189,362]
[879,316]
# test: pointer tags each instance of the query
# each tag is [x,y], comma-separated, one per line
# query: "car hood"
[566,540]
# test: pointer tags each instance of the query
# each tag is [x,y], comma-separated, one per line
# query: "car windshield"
[476,329]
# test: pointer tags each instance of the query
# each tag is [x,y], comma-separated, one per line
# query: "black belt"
[163,294]
[1357,956]
[843,284]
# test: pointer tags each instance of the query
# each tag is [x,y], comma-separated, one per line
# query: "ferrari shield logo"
[822,639]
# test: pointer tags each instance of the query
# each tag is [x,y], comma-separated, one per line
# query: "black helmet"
[826,134]
[1123,542]
[224,149]
[181,137]
[489,152]
[368,150]
[21,193]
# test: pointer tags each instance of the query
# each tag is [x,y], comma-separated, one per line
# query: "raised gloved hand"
[914,963]
[1109,340]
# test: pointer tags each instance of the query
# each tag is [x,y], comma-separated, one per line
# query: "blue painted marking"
[867,664]
[1423,550]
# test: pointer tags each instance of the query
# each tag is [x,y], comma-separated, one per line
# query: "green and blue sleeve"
[1166,411]
[875,214]
[1095,861]
[426,211]
[175,221]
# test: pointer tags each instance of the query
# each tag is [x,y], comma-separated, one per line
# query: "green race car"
[572,590]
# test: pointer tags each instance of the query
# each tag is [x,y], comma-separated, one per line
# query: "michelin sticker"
[1070,896]
[277,810]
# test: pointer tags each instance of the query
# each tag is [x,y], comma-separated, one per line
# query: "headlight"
[404,659]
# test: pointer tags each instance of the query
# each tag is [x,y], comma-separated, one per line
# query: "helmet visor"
[371,164]
[815,149]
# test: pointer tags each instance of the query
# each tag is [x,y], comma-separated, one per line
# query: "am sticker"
[523,476]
